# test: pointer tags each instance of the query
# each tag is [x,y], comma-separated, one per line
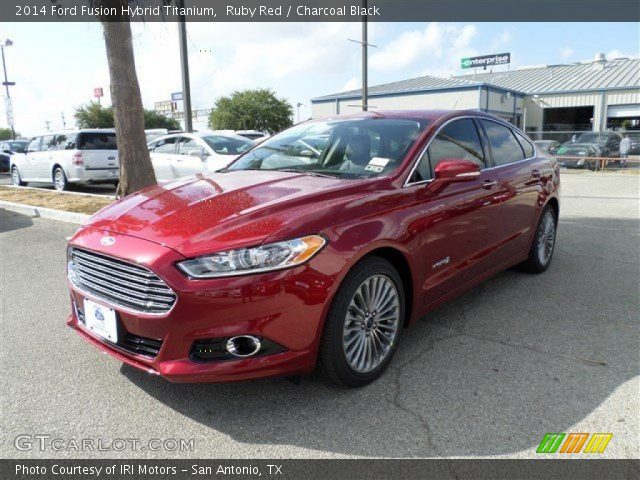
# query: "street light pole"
[7,83]
[184,62]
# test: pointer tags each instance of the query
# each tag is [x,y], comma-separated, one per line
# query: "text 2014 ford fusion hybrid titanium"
[314,249]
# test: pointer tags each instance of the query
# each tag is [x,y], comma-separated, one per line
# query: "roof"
[403,86]
[597,75]
[587,76]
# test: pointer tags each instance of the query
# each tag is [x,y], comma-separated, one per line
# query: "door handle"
[488,184]
[536,173]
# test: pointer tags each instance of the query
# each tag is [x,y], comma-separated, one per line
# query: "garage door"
[619,111]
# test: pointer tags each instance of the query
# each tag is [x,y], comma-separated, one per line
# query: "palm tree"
[136,170]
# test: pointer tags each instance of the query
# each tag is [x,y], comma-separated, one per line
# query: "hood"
[221,211]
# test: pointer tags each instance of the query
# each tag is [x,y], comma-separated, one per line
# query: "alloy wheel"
[59,180]
[546,238]
[371,323]
[15,176]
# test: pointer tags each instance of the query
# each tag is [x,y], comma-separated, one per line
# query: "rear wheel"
[16,179]
[544,242]
[363,325]
[60,180]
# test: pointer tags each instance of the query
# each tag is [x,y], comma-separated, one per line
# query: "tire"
[60,180]
[544,241]
[16,178]
[354,351]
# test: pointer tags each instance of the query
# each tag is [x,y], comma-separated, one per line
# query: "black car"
[578,155]
[607,144]
[635,143]
[8,148]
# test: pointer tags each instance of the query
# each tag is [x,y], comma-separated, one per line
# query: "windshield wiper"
[314,173]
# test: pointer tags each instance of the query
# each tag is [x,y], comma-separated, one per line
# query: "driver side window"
[458,140]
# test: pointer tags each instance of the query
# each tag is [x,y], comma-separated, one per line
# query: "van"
[72,157]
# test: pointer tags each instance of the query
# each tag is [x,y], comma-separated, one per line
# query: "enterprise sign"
[486,60]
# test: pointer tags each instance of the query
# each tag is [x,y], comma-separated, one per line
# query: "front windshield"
[223,145]
[351,148]
[591,138]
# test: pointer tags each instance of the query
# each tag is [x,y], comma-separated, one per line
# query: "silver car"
[182,154]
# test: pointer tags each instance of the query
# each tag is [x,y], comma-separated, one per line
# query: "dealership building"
[547,101]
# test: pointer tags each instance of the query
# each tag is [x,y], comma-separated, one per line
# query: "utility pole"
[7,84]
[64,123]
[298,105]
[184,63]
[365,69]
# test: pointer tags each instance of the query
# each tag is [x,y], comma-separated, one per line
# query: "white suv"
[79,156]
[182,154]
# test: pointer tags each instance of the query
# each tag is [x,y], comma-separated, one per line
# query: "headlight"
[274,256]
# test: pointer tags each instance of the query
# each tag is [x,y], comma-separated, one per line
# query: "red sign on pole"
[97,92]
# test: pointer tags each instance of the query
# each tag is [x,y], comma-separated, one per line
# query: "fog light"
[243,346]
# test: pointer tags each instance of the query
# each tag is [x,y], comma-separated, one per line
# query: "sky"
[57,65]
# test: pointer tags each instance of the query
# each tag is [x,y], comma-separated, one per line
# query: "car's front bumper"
[284,307]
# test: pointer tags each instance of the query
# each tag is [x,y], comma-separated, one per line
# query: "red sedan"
[314,249]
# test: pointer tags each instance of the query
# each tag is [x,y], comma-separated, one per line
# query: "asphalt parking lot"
[484,376]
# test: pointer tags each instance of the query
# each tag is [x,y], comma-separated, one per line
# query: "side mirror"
[197,152]
[453,171]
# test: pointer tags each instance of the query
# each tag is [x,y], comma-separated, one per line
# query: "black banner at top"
[319,10]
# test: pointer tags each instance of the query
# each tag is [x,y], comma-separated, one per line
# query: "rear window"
[96,141]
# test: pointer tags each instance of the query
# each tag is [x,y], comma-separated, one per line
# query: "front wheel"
[544,242]
[16,179]
[364,324]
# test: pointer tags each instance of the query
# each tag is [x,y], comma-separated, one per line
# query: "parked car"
[182,154]
[153,133]
[254,135]
[257,271]
[8,148]
[70,157]
[607,144]
[578,155]
[634,136]
[547,146]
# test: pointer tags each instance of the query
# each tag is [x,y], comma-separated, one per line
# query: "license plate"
[101,321]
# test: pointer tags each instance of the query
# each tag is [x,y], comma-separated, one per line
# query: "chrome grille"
[121,283]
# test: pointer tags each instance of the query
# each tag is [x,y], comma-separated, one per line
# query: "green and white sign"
[486,60]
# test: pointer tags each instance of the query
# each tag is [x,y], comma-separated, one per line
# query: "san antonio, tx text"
[124,469]
[230,11]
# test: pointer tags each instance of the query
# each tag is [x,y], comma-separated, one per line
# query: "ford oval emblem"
[106,241]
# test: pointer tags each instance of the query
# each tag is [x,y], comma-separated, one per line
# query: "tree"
[258,109]
[93,115]
[5,134]
[136,170]
[153,119]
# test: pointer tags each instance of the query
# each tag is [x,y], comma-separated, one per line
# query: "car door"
[42,161]
[162,153]
[521,175]
[186,163]
[25,164]
[461,219]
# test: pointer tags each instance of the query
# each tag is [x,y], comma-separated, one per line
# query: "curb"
[61,193]
[60,215]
